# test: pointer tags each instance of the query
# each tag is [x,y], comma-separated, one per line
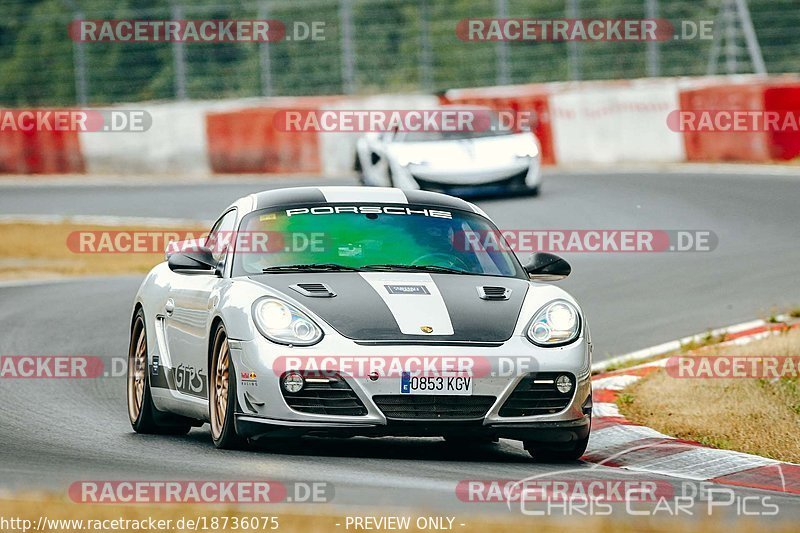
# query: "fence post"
[750,36]
[264,60]
[573,52]
[348,55]
[179,57]
[78,59]
[651,11]
[501,48]
[425,52]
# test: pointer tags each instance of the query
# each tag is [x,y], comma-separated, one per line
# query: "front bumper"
[538,432]
[518,178]
[263,410]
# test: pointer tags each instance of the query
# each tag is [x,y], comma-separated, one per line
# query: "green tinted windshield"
[367,236]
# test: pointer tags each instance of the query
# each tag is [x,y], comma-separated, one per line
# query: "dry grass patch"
[30,250]
[756,416]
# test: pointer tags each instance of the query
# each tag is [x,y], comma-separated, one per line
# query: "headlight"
[284,324]
[555,324]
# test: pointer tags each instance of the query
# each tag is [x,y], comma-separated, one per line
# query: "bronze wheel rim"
[219,400]
[137,366]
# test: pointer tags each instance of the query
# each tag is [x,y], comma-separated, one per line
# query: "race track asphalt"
[55,432]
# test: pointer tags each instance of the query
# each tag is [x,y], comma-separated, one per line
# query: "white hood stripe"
[364,195]
[413,312]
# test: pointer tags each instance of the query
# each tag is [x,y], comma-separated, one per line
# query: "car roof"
[360,195]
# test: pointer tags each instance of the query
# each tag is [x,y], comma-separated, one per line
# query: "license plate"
[453,384]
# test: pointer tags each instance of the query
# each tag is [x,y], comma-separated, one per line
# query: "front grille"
[334,397]
[513,182]
[433,407]
[530,398]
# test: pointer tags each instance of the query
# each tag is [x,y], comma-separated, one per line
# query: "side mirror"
[199,261]
[542,266]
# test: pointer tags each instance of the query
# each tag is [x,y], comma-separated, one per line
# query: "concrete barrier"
[616,123]
[176,142]
[785,144]
[39,151]
[753,145]
[247,140]
[594,122]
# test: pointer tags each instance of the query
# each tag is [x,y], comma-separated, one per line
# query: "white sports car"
[360,311]
[462,163]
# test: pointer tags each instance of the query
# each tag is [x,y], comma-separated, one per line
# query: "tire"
[143,415]
[533,191]
[545,453]
[222,400]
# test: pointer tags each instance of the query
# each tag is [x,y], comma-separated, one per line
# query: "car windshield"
[368,237]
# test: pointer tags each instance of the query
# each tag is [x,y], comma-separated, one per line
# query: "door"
[188,313]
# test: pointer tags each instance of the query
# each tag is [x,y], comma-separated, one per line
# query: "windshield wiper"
[423,268]
[311,267]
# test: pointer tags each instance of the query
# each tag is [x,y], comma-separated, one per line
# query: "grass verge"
[31,250]
[750,415]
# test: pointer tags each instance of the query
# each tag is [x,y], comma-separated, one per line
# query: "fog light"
[563,384]
[293,382]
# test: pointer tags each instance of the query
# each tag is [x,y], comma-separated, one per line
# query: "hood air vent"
[313,290]
[493,293]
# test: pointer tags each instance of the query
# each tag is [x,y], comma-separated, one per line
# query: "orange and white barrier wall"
[577,123]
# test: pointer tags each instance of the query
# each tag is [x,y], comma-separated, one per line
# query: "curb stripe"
[763,477]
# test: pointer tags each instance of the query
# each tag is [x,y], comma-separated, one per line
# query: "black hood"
[372,307]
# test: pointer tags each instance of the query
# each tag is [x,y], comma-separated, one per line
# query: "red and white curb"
[617,442]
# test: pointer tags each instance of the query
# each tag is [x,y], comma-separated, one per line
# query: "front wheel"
[222,394]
